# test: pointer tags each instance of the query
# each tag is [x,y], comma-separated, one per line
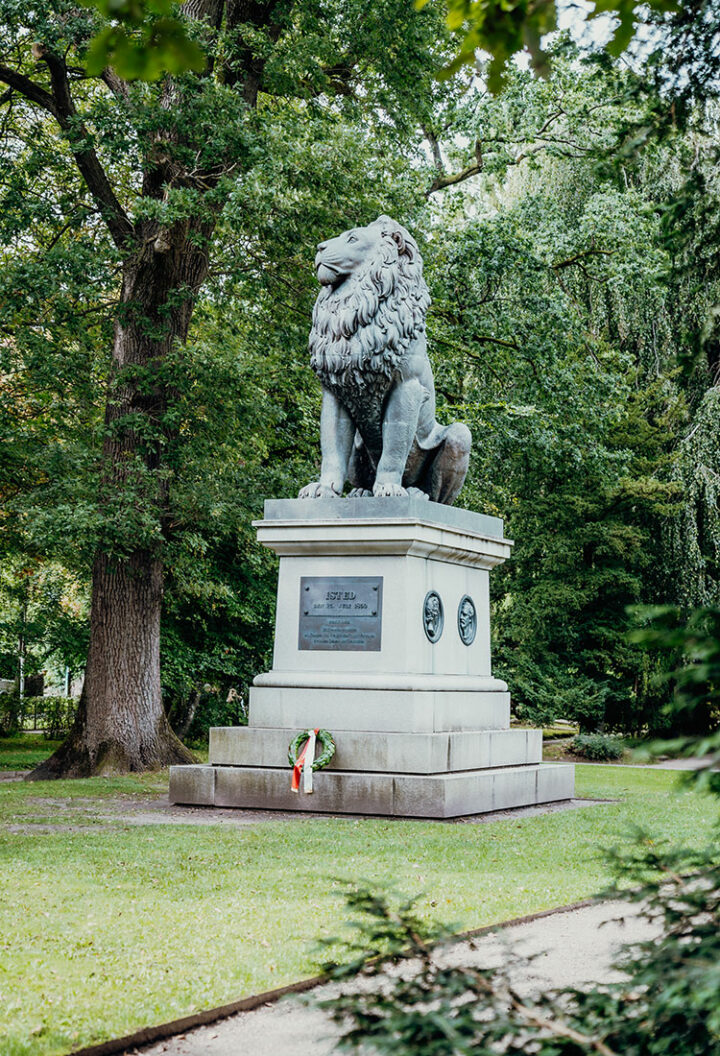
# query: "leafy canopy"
[503,28]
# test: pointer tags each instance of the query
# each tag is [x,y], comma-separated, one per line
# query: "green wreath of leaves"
[327,745]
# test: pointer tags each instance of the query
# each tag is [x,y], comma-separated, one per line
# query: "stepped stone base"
[409,753]
[382,636]
[354,792]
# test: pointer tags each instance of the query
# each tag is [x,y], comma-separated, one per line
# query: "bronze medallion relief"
[433,616]
[467,620]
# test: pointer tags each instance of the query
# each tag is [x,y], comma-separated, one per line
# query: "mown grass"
[108,927]
[22,751]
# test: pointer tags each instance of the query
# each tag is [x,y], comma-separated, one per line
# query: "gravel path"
[160,811]
[570,948]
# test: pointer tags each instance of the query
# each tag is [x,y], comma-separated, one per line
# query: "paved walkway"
[570,949]
[691,763]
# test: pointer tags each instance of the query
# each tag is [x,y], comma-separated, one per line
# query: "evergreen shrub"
[544,691]
[597,746]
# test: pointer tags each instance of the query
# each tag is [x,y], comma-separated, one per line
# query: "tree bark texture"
[121,724]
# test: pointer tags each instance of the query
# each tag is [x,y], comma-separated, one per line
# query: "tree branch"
[539,142]
[116,84]
[579,257]
[436,152]
[440,182]
[118,223]
[33,92]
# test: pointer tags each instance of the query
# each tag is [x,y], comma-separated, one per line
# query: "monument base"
[364,792]
[382,637]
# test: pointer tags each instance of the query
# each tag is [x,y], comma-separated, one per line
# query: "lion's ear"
[389,228]
[404,241]
[392,229]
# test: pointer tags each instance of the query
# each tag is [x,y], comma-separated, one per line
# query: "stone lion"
[368,347]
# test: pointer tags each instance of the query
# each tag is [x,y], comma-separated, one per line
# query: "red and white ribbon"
[304,763]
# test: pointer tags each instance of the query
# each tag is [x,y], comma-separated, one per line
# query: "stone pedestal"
[382,636]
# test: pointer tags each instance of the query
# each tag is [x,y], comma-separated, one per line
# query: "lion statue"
[368,347]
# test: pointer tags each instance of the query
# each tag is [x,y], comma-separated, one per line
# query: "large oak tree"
[158,164]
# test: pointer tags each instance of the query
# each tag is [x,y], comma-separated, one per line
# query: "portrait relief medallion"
[433,616]
[467,620]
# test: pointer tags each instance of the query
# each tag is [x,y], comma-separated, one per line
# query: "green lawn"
[22,751]
[106,927]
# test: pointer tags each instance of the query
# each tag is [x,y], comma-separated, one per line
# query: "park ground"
[117,913]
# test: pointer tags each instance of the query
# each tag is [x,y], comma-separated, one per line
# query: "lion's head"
[372,304]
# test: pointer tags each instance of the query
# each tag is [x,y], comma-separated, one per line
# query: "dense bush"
[53,715]
[597,746]
[12,713]
[58,716]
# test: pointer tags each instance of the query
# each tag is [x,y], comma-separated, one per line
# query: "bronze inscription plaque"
[341,613]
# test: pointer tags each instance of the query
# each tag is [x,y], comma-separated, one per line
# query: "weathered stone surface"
[411,795]
[381,710]
[192,784]
[400,508]
[423,753]
[405,652]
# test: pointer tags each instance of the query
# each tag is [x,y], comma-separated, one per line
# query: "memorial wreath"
[298,750]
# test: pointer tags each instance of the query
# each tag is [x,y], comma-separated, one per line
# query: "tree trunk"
[192,706]
[121,724]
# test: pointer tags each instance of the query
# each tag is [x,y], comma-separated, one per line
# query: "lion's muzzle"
[328,274]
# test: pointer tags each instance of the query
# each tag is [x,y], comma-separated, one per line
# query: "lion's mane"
[361,330]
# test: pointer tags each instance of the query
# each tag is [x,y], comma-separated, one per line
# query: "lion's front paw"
[316,490]
[388,491]
[359,493]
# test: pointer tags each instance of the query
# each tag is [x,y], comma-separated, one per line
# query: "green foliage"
[669,1001]
[57,715]
[546,690]
[12,713]
[669,998]
[143,40]
[53,715]
[554,337]
[504,29]
[239,420]
[695,532]
[598,747]
[561,310]
[43,614]
[193,717]
[501,29]
[690,646]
